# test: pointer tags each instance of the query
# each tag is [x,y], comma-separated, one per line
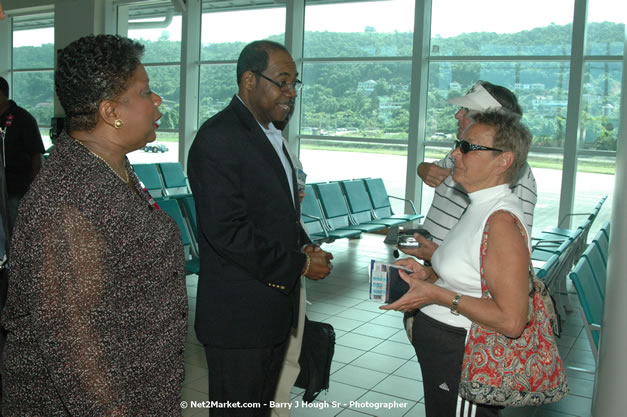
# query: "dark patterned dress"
[97,306]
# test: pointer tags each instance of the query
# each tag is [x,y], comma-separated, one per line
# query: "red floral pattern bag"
[528,370]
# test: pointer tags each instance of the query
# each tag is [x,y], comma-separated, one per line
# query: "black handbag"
[315,358]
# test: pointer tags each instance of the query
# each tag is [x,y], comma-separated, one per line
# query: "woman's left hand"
[418,294]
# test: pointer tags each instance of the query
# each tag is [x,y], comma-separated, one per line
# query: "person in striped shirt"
[450,199]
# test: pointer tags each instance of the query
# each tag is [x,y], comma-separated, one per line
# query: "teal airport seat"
[561,233]
[546,270]
[591,302]
[360,206]
[592,254]
[336,210]
[149,175]
[602,241]
[315,222]
[381,201]
[542,250]
[606,229]
[192,263]
[174,179]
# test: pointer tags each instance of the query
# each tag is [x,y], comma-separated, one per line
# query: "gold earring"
[118,123]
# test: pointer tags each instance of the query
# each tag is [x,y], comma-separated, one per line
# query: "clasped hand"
[425,251]
[320,262]
[420,282]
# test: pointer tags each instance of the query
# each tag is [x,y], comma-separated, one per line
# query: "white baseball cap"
[477,99]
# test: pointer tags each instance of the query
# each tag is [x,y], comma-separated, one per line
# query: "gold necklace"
[124,179]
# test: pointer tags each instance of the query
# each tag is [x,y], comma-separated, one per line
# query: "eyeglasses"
[465,147]
[284,86]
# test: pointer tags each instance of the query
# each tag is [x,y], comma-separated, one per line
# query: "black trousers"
[242,382]
[440,352]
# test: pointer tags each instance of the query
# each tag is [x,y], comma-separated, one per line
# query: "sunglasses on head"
[465,147]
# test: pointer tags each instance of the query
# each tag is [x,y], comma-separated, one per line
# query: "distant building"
[455,86]
[534,86]
[387,108]
[366,87]
[400,87]
[547,104]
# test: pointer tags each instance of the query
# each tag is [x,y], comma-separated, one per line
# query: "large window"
[600,110]
[529,53]
[501,28]
[356,89]
[605,33]
[32,76]
[157,26]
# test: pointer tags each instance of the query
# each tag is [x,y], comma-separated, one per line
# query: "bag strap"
[485,293]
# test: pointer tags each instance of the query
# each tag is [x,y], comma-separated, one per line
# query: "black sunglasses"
[465,147]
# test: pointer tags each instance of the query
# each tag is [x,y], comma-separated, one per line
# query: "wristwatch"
[455,304]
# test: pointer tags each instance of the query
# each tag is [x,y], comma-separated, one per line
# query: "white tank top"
[457,260]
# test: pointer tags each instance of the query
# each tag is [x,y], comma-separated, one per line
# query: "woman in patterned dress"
[96,313]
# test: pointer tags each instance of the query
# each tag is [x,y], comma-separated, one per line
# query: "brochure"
[386,285]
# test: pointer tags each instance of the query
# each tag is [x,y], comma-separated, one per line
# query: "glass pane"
[224,34]
[541,88]
[323,165]
[591,186]
[163,40]
[165,148]
[164,80]
[547,169]
[605,33]
[169,152]
[34,91]
[365,99]
[600,112]
[380,28]
[542,91]
[33,47]
[217,87]
[601,105]
[493,27]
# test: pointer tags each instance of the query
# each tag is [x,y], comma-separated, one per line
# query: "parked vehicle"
[155,147]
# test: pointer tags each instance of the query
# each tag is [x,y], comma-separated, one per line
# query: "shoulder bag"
[501,371]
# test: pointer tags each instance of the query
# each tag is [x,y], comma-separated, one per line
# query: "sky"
[450,18]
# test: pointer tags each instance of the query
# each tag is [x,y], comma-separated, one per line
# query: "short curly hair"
[510,134]
[92,69]
[254,57]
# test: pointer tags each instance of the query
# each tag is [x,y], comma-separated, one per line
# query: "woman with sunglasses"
[448,295]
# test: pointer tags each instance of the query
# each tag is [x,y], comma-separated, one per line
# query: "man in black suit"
[253,248]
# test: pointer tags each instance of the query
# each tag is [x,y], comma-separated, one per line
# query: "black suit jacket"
[249,234]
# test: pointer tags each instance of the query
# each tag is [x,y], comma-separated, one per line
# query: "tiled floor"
[374,364]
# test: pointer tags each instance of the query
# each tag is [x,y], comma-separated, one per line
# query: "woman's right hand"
[418,270]
[424,251]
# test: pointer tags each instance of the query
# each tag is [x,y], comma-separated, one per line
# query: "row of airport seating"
[163,180]
[589,277]
[333,210]
[556,250]
[345,209]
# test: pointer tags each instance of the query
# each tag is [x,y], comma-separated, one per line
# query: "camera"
[406,238]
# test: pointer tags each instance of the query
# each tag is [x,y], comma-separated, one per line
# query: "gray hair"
[510,134]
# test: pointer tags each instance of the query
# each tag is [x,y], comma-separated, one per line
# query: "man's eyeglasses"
[284,86]
[465,147]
